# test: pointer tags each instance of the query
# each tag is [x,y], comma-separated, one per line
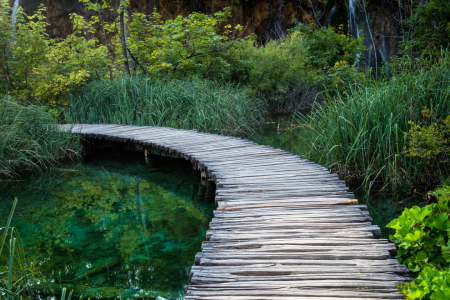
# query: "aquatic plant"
[208,106]
[30,139]
[360,135]
[424,247]
[15,274]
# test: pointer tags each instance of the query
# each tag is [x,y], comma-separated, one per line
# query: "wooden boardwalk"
[285,228]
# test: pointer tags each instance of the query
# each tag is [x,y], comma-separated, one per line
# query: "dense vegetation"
[30,139]
[186,104]
[361,134]
[384,127]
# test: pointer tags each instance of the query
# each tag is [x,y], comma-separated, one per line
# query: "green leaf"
[440,222]
[419,214]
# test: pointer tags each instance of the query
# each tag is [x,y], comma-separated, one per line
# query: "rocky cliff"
[267,18]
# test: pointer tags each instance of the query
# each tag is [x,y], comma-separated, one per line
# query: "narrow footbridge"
[285,228]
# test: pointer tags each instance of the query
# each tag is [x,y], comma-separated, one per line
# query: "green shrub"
[424,246]
[279,74]
[278,65]
[185,104]
[290,72]
[429,140]
[185,46]
[326,46]
[33,66]
[426,26]
[361,135]
[30,139]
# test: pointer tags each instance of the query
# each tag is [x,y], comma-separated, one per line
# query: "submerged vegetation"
[148,218]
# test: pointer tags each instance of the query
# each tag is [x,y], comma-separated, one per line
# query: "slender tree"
[106,39]
[122,8]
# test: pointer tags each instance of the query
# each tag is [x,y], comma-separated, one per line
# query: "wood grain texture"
[285,228]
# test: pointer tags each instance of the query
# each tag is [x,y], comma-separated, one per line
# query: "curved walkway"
[285,228]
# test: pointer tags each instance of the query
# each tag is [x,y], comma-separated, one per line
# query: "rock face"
[377,22]
[268,19]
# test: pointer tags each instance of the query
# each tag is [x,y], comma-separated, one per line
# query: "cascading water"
[353,18]
[331,14]
[361,19]
[14,12]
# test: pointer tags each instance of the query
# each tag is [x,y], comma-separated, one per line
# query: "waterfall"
[14,12]
[331,14]
[353,18]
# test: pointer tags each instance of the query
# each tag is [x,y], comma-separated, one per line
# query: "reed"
[206,106]
[18,278]
[361,135]
[30,139]
[15,274]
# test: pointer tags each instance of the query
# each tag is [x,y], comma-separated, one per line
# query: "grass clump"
[30,139]
[203,105]
[362,136]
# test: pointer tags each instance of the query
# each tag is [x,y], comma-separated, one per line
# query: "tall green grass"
[15,274]
[30,139]
[361,135]
[184,104]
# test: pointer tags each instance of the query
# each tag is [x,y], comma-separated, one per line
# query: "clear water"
[116,226]
[384,208]
[280,132]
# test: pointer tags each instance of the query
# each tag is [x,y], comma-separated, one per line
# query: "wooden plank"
[369,266]
[374,229]
[302,297]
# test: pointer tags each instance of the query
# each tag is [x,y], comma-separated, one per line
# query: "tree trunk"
[106,41]
[124,45]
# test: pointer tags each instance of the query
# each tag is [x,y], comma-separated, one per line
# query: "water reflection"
[114,228]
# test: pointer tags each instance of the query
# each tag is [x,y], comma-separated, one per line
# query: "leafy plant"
[326,46]
[429,140]
[424,246]
[424,25]
[431,284]
[33,66]
[69,63]
[184,46]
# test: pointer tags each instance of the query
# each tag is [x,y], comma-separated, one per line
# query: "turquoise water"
[116,226]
